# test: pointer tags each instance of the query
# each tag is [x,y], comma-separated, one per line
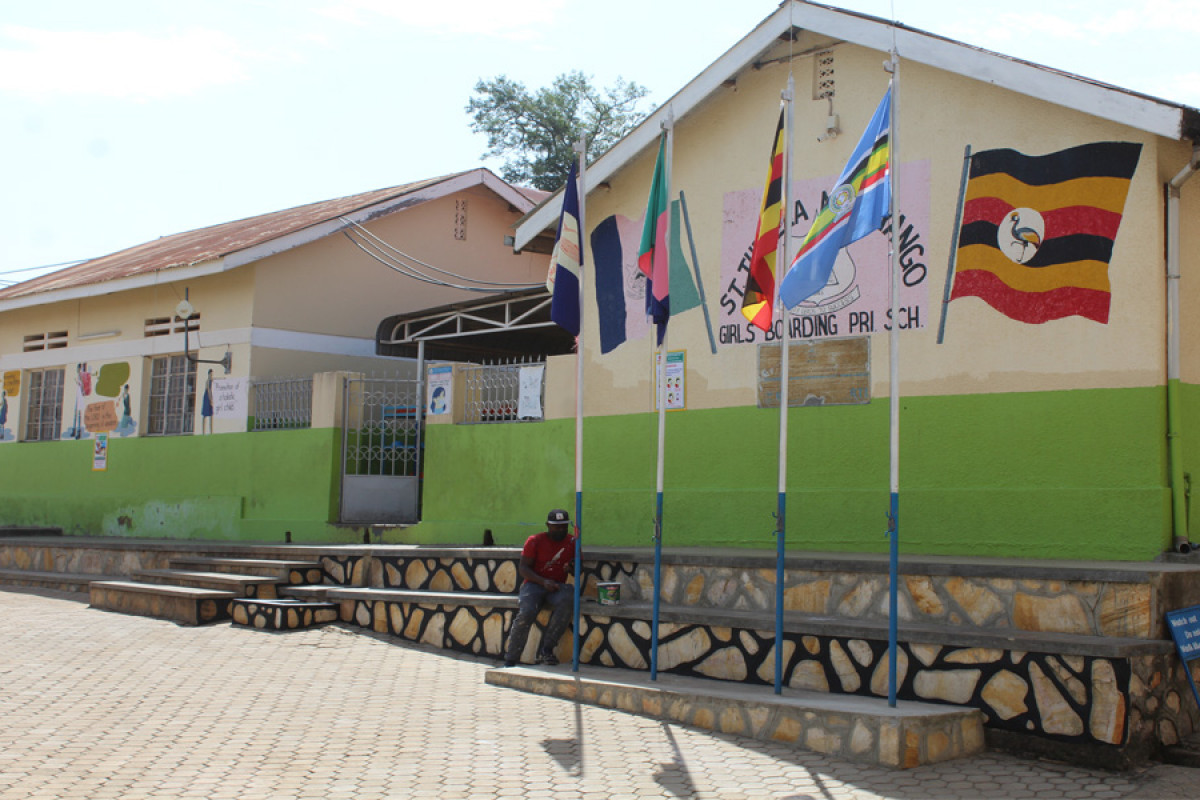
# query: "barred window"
[43,418]
[172,396]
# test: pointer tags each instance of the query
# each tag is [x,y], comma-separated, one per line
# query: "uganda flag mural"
[1037,231]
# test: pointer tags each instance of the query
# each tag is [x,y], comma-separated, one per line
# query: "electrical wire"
[391,263]
[383,245]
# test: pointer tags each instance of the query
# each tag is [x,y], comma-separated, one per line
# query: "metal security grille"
[279,404]
[381,444]
[493,392]
[44,417]
[172,396]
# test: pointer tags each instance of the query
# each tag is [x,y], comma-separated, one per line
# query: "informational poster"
[440,389]
[529,401]
[100,452]
[675,377]
[229,398]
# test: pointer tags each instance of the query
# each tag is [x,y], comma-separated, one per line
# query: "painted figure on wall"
[4,434]
[127,426]
[206,405]
[83,390]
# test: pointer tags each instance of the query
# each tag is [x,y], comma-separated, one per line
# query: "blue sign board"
[1185,630]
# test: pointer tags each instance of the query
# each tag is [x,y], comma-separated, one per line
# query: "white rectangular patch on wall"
[229,398]
[529,402]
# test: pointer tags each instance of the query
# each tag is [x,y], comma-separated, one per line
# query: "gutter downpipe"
[1180,542]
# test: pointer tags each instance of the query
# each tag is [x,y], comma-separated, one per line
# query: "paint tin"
[608,593]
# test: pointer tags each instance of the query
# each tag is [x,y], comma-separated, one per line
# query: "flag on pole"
[857,207]
[565,260]
[758,302]
[1037,231]
[653,258]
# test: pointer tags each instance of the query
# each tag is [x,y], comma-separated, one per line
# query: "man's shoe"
[549,659]
[509,663]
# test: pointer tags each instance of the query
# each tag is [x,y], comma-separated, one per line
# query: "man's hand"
[551,586]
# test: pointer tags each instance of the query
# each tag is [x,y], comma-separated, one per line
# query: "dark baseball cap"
[557,517]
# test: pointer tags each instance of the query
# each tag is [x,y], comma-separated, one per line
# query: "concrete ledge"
[287,571]
[63,581]
[246,585]
[183,604]
[855,728]
[483,599]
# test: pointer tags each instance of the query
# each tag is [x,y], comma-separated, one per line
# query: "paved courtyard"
[100,705]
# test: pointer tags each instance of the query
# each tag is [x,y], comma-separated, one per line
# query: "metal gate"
[382,441]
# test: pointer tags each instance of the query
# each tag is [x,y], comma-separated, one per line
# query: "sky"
[128,120]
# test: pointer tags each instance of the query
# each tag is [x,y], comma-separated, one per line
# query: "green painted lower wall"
[1077,474]
[1189,394]
[249,487]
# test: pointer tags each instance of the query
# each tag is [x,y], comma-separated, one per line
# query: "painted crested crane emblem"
[1022,234]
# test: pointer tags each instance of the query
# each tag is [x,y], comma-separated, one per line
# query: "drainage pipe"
[1179,520]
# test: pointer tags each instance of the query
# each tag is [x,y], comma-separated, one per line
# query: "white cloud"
[520,20]
[120,64]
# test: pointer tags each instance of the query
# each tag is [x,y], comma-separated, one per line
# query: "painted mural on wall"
[9,396]
[103,403]
[856,301]
[621,286]
[1037,231]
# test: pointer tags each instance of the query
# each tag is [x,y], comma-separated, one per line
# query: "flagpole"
[784,400]
[581,147]
[661,391]
[894,385]
[958,212]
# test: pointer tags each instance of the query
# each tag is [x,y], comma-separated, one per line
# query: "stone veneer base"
[854,728]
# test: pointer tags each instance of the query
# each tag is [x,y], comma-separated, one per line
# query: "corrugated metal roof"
[208,244]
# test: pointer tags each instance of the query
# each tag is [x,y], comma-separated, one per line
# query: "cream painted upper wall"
[331,287]
[222,301]
[722,146]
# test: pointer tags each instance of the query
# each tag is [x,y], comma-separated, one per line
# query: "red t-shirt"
[550,558]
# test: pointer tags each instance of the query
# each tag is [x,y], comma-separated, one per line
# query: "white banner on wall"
[529,402]
[229,398]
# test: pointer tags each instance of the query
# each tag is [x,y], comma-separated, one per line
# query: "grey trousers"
[562,606]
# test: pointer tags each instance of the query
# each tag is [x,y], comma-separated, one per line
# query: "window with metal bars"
[43,416]
[172,400]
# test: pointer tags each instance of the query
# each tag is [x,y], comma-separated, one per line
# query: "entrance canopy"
[495,327]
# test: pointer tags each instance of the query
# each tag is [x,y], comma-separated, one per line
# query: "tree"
[535,131]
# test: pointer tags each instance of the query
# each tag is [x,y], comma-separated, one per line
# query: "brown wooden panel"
[823,372]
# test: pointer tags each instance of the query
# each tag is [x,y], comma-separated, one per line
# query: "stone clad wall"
[1077,607]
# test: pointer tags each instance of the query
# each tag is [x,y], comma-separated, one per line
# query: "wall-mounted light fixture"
[87,337]
[185,311]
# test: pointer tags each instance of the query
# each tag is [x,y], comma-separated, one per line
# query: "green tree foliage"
[535,131]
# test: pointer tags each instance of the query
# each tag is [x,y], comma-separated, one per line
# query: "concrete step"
[863,729]
[291,572]
[60,581]
[320,593]
[1184,754]
[281,614]
[244,585]
[183,604]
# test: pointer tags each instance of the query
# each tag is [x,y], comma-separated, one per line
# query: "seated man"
[545,561]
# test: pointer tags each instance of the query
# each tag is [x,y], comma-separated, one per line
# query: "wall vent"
[54,340]
[165,326]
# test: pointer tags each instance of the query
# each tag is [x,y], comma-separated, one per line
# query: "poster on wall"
[440,389]
[229,398]
[100,452]
[675,377]
[529,401]
[857,299]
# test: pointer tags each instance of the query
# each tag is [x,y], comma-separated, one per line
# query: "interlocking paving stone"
[99,705]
